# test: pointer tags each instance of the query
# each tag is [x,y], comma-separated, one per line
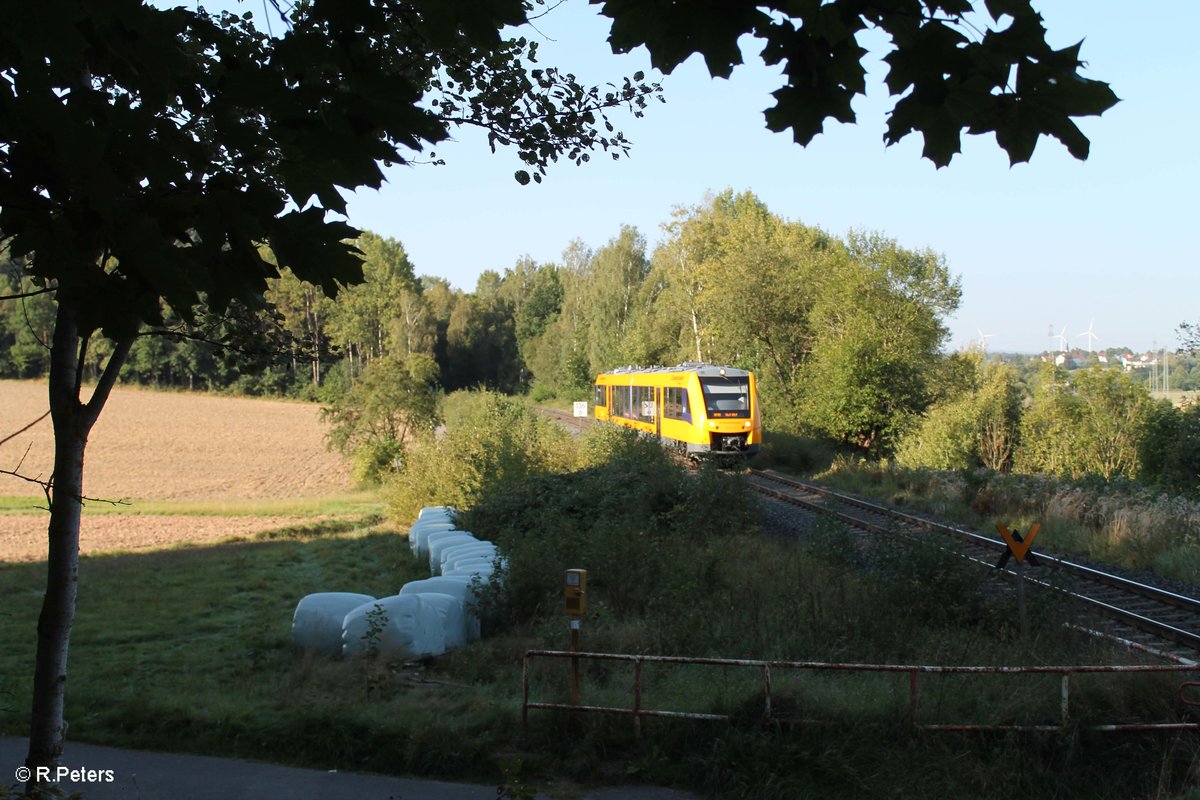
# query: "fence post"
[1066,697]
[637,698]
[912,698]
[525,694]
[767,688]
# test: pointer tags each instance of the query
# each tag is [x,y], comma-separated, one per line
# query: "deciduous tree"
[374,420]
[878,328]
[147,153]
[974,424]
[1094,424]
[979,66]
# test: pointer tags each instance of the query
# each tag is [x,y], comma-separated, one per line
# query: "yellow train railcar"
[698,409]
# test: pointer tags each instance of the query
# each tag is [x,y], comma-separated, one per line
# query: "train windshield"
[726,396]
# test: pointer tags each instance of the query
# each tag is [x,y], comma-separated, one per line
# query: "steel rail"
[1078,572]
[1153,592]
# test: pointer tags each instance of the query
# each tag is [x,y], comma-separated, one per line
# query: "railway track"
[566,418]
[1142,616]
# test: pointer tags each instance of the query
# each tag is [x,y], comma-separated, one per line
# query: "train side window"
[629,401]
[646,402]
[599,397]
[675,404]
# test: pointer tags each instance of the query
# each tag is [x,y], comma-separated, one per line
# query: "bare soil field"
[167,446]
[174,446]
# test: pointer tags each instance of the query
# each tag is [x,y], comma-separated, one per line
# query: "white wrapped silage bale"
[449,554]
[438,512]
[391,627]
[418,535]
[317,623]
[437,544]
[433,536]
[442,616]
[473,569]
[495,560]
[470,559]
[457,586]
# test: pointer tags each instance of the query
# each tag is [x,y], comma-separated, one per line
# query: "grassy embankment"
[1118,522]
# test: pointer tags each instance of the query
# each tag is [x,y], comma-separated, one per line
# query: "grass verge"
[354,503]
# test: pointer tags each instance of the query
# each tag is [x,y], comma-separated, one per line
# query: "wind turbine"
[983,337]
[1062,340]
[1090,334]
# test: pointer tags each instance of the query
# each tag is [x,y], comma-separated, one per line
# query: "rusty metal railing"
[1188,693]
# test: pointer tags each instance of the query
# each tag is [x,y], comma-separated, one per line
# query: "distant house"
[1130,362]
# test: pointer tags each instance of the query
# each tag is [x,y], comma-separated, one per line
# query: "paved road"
[121,774]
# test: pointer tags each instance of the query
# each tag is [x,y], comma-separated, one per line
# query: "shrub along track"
[1145,616]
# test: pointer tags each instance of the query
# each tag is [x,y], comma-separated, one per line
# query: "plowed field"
[168,446]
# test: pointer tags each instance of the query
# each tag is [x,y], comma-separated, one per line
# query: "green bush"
[376,459]
[490,441]
[795,452]
[972,427]
[542,392]
[630,516]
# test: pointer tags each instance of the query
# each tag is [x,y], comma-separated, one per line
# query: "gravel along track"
[574,424]
[1147,614]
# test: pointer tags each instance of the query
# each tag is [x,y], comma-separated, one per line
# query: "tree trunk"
[72,423]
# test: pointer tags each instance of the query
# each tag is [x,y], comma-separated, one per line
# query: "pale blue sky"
[1052,243]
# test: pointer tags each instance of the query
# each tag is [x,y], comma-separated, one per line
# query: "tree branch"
[107,380]
[29,325]
[16,474]
[79,362]
[47,485]
[266,340]
[27,427]
[591,108]
[23,295]
[196,337]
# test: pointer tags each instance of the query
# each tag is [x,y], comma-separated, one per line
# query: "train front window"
[726,396]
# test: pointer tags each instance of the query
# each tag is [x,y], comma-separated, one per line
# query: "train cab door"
[658,409]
